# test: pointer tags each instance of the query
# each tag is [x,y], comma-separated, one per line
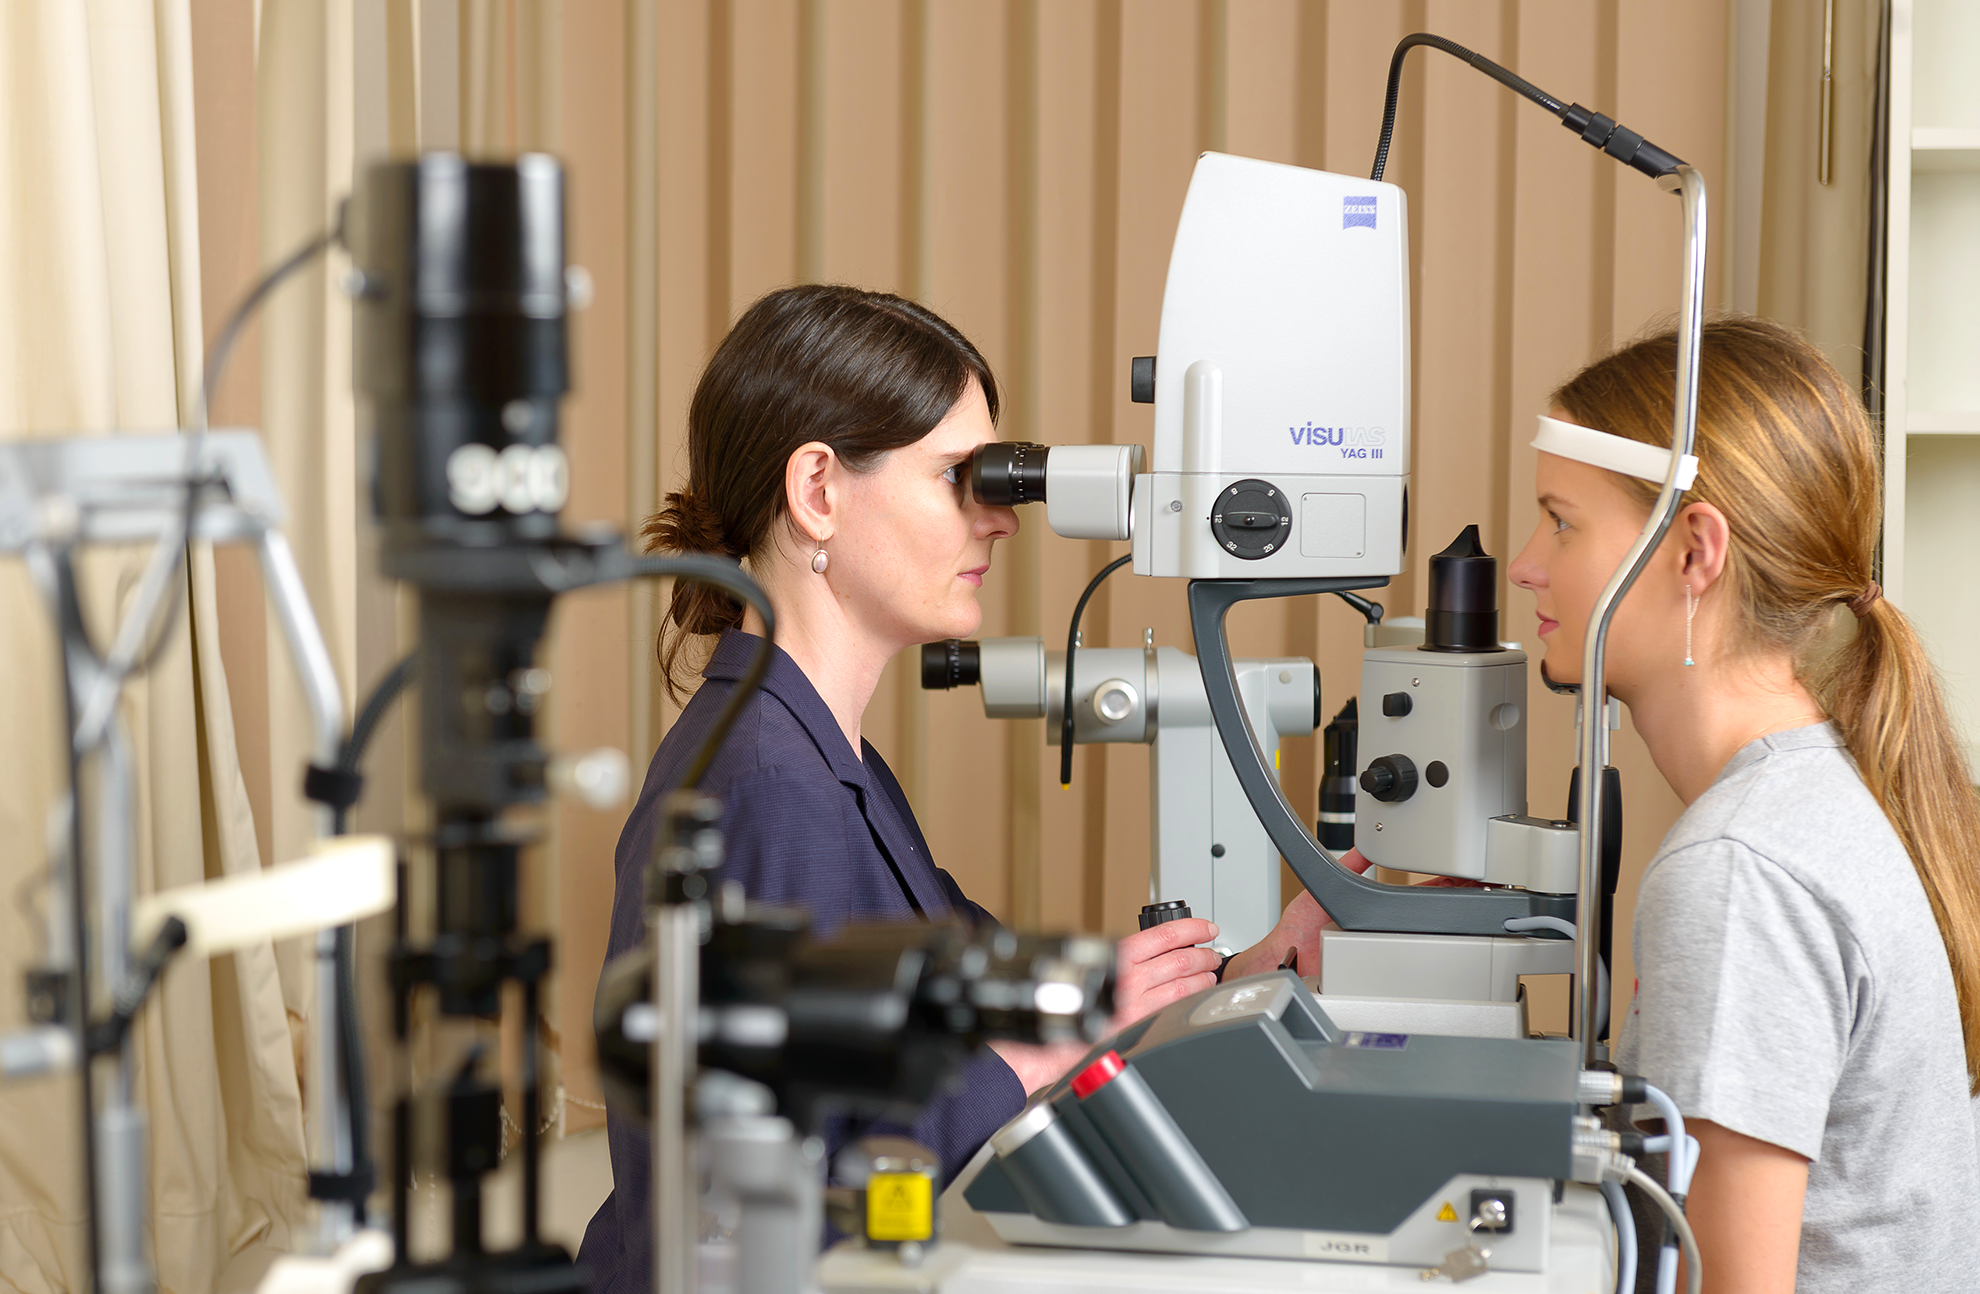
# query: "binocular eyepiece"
[951,663]
[1087,490]
[1008,473]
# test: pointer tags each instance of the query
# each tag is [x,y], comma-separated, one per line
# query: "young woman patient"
[828,450]
[1807,940]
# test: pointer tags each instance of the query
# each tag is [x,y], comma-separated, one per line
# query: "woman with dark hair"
[828,450]
[1807,940]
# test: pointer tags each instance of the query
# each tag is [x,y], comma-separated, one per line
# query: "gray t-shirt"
[1792,986]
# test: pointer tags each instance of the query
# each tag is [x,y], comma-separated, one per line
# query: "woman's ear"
[811,490]
[1702,537]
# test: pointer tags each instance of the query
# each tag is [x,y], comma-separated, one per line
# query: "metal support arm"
[1354,902]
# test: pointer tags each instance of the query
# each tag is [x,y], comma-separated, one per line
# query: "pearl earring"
[819,560]
[1690,610]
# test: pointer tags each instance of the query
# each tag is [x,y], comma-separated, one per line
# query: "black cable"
[1072,646]
[350,757]
[1595,129]
[107,1034]
[215,368]
[726,575]
[356,1085]
[1451,47]
[351,1076]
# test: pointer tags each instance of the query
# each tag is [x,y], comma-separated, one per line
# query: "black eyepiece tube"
[951,663]
[1008,473]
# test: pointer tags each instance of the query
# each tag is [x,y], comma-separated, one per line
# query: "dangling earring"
[819,560]
[1690,610]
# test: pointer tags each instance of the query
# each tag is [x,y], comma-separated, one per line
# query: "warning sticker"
[1447,1213]
[900,1206]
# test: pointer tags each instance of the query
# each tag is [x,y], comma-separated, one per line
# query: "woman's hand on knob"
[1160,965]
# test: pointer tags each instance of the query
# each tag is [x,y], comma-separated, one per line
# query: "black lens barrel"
[951,663]
[1008,473]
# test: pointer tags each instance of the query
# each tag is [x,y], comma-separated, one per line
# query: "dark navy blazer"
[804,822]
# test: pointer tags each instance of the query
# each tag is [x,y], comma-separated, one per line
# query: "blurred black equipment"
[460,361]
[788,1029]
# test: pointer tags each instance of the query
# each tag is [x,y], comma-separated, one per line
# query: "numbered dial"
[519,479]
[1252,520]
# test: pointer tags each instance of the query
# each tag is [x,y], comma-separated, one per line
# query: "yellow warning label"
[1447,1213]
[900,1206]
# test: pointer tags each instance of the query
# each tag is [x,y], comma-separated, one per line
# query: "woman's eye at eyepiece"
[953,474]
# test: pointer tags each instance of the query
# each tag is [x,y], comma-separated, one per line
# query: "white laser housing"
[1281,380]
[1090,490]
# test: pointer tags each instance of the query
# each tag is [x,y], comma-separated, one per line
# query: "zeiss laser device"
[1403,1117]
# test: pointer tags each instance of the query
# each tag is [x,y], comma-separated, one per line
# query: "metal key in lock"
[1463,1264]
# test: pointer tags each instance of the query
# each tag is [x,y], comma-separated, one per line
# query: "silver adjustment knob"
[1114,700]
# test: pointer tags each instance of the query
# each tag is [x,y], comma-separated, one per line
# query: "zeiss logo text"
[1351,442]
[1357,211]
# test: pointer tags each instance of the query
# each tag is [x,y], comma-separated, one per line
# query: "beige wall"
[1019,165]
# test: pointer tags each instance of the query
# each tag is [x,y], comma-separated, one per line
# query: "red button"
[1097,1075]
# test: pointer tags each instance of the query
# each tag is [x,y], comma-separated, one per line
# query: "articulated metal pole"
[120,1125]
[1594,695]
[330,1124]
[677,1000]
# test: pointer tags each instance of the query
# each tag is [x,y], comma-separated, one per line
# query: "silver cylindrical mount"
[1011,672]
[1139,1129]
[1089,490]
[1044,1162]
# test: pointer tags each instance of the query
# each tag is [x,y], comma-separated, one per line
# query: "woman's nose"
[996,523]
[1526,571]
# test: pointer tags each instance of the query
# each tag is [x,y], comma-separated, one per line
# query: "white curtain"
[101,332]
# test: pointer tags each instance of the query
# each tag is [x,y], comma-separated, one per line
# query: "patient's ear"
[1703,538]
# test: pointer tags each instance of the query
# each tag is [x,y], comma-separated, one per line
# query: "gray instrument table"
[970,1259]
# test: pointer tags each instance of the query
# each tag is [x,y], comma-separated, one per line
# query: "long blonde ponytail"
[1787,453]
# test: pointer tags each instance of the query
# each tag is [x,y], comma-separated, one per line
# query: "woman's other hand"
[1298,930]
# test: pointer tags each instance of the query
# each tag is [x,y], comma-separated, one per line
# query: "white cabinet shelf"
[1932,341]
[1943,422]
[1945,148]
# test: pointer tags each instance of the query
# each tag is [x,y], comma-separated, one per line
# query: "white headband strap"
[1612,452]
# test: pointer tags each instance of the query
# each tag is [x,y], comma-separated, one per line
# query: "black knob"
[1396,704]
[1141,379]
[953,662]
[1391,778]
[1154,914]
[1251,519]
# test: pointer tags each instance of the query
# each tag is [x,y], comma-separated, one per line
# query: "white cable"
[1625,1236]
[1681,1165]
[1561,925]
[1694,1273]
[1683,1158]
